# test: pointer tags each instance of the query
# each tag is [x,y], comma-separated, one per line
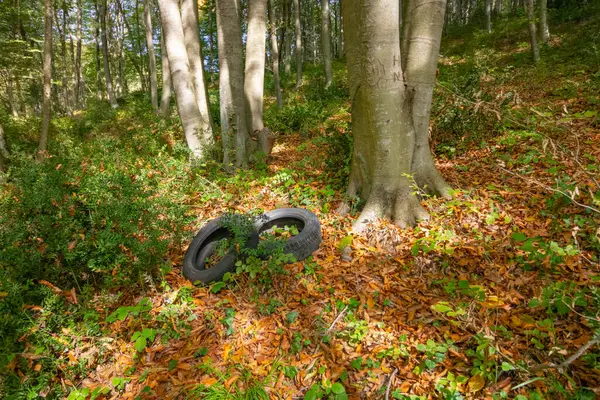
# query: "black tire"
[203,245]
[309,238]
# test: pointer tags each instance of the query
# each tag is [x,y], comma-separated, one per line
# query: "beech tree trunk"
[298,50]
[11,97]
[79,93]
[107,76]
[498,7]
[47,72]
[287,38]
[99,90]
[326,42]
[383,111]
[191,120]
[231,82]
[255,65]
[275,52]
[189,16]
[151,56]
[4,154]
[535,51]
[488,16]
[211,46]
[165,99]
[543,17]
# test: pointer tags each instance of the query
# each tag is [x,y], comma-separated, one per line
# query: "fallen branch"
[389,385]
[561,367]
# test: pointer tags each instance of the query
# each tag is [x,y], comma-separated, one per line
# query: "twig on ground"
[389,385]
[335,321]
[550,189]
[560,367]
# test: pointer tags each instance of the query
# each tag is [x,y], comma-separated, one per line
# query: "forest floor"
[488,299]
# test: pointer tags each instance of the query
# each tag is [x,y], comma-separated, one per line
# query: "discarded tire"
[203,246]
[309,238]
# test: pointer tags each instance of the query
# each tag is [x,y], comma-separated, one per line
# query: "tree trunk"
[383,121]
[191,120]
[341,33]
[275,52]
[211,46]
[11,98]
[47,72]
[189,16]
[138,67]
[151,56]
[165,99]
[255,65]
[488,16]
[287,40]
[298,49]
[79,92]
[122,71]
[22,105]
[4,154]
[107,75]
[421,67]
[231,84]
[535,51]
[326,42]
[543,17]
[63,57]
[97,39]
[498,7]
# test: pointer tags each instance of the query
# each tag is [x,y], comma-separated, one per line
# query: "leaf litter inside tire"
[221,248]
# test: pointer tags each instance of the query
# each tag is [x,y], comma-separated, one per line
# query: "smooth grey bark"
[275,52]
[151,56]
[298,49]
[287,38]
[211,46]
[326,42]
[191,120]
[4,154]
[165,99]
[255,65]
[543,17]
[189,16]
[11,98]
[421,65]
[79,92]
[99,91]
[389,116]
[231,83]
[488,16]
[63,55]
[107,75]
[535,51]
[47,73]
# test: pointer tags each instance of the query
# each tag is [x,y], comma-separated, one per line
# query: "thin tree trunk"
[189,16]
[121,51]
[11,97]
[543,17]
[231,85]
[535,51]
[187,107]
[97,39]
[341,36]
[211,46]
[63,55]
[275,52]
[139,67]
[4,154]
[151,56]
[488,16]
[298,49]
[47,72]
[165,99]
[326,42]
[498,7]
[22,106]
[287,45]
[107,75]
[79,93]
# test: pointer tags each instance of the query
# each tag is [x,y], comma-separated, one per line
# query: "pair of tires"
[204,244]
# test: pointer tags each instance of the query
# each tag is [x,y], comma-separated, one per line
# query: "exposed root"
[408,211]
[402,208]
[431,182]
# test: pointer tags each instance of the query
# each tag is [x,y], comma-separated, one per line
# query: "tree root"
[402,208]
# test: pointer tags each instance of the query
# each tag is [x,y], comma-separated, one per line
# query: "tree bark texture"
[47,72]
[165,98]
[255,65]
[384,115]
[107,75]
[535,51]
[99,91]
[79,92]
[275,52]
[151,55]
[287,39]
[4,154]
[191,120]
[11,97]
[298,50]
[488,16]
[543,17]
[231,83]
[326,42]
[189,16]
